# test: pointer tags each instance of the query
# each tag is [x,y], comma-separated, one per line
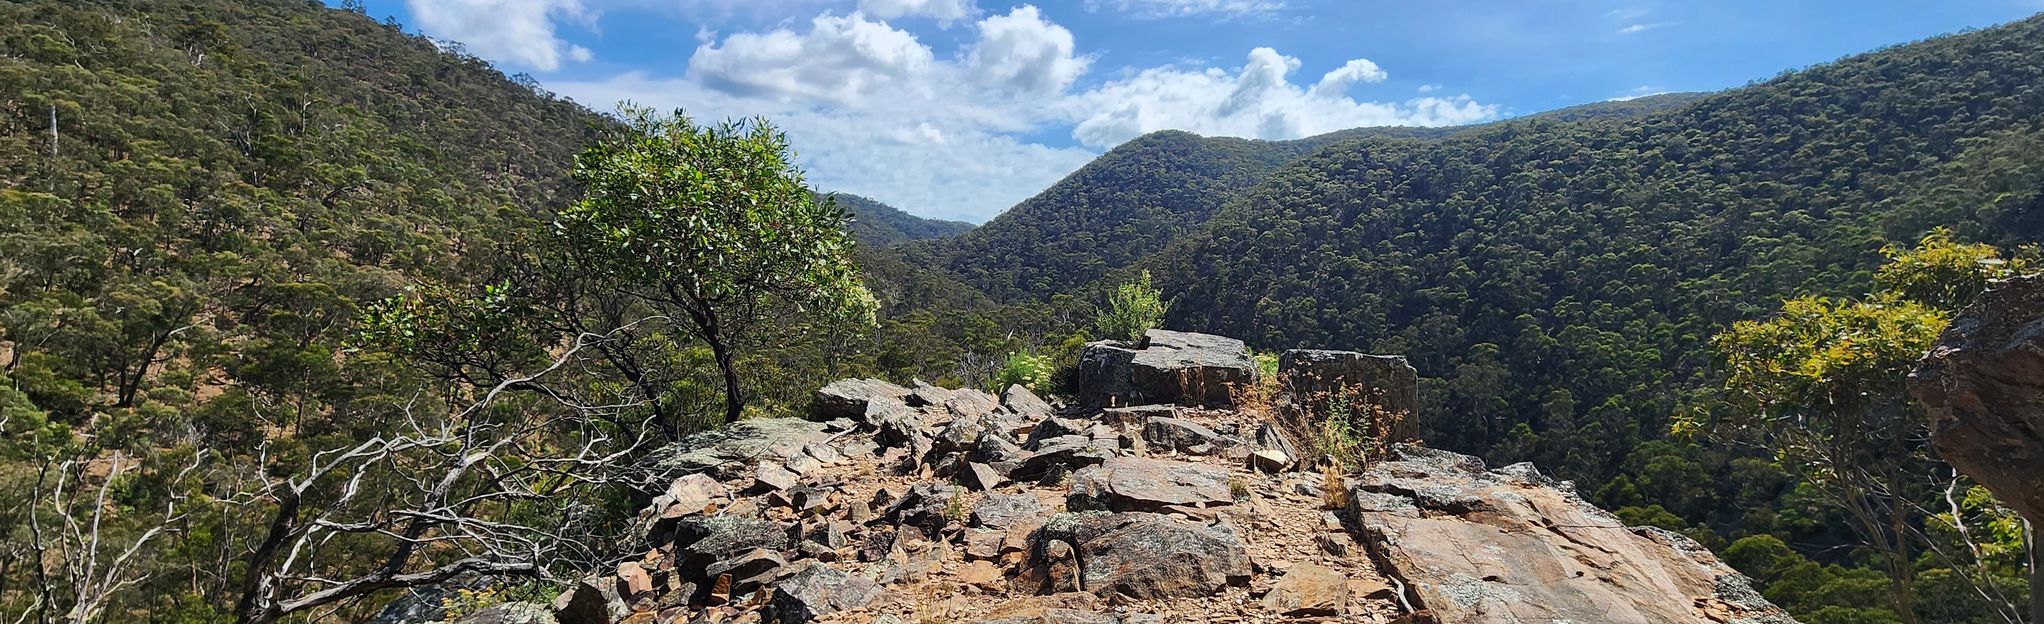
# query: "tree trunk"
[734,394]
[2036,535]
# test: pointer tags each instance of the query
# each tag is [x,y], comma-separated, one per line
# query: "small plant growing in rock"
[1239,489]
[1023,368]
[1333,486]
[1132,309]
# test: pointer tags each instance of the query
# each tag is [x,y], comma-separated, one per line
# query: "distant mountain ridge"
[876,223]
[1147,193]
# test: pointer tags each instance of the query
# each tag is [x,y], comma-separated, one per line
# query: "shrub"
[1023,368]
[1133,308]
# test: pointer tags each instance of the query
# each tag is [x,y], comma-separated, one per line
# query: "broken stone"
[1484,547]
[1003,510]
[850,398]
[927,507]
[726,451]
[593,600]
[771,478]
[749,571]
[1150,556]
[1183,436]
[701,541]
[633,581]
[1143,484]
[1307,590]
[1190,369]
[1269,460]
[816,591]
[1060,455]
[981,477]
[1135,416]
[1020,401]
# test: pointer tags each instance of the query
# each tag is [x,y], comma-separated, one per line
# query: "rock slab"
[1314,378]
[1475,546]
[1983,387]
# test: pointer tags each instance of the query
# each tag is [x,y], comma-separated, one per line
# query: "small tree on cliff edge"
[713,226]
[1132,309]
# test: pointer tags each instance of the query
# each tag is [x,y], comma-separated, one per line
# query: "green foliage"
[1133,308]
[712,229]
[1025,369]
[1942,273]
[880,225]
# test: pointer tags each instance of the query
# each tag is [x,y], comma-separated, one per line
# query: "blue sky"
[957,109]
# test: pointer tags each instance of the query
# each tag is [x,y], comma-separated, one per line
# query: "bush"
[1133,308]
[1023,368]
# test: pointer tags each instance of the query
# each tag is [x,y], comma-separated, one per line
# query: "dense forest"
[235,233]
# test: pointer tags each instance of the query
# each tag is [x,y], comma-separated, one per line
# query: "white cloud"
[1256,102]
[1022,52]
[1429,88]
[872,110]
[1639,92]
[1182,8]
[517,32]
[1337,82]
[944,11]
[843,59]
[1643,27]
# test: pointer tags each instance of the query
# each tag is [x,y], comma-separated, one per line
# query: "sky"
[958,109]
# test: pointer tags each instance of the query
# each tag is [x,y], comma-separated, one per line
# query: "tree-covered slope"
[881,225]
[1559,280]
[1146,193]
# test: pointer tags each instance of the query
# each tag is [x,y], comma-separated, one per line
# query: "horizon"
[961,109]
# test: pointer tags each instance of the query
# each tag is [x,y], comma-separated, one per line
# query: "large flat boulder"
[730,449]
[1166,367]
[1144,484]
[1477,546]
[1150,556]
[1314,380]
[852,398]
[1983,387]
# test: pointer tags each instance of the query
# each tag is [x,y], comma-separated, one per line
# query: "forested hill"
[881,225]
[1559,281]
[1148,192]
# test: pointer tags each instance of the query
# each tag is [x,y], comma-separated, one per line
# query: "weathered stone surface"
[980,477]
[818,590]
[633,581]
[1308,589]
[1983,388]
[510,613]
[692,494]
[730,449]
[1190,369]
[1477,546]
[593,600]
[749,570]
[1021,402]
[1185,436]
[1104,373]
[1134,416]
[926,507]
[700,541]
[1149,556]
[1315,378]
[774,478]
[1039,609]
[851,398]
[1144,484]
[1066,454]
[1059,616]
[1275,447]
[1002,510]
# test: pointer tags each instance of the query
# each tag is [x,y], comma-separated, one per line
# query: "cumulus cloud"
[517,32]
[1182,8]
[944,11]
[1258,101]
[872,110]
[1023,52]
[847,60]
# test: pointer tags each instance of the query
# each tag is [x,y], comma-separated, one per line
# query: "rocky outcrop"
[1166,367]
[1315,379]
[919,503]
[1983,388]
[1476,546]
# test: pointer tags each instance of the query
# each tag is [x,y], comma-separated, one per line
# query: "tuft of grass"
[1333,486]
[1239,489]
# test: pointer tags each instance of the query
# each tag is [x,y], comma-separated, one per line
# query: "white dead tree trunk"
[80,565]
[430,498]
